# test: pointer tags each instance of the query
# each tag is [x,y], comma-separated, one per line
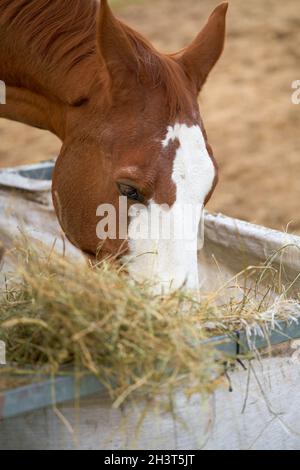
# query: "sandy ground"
[252,124]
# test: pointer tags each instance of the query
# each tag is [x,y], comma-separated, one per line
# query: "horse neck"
[47,59]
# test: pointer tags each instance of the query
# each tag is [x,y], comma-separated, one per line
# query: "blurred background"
[246,104]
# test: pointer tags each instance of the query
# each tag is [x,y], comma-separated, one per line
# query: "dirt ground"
[252,124]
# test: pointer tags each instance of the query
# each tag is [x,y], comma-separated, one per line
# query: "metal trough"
[263,410]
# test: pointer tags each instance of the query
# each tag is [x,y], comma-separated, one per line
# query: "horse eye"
[130,192]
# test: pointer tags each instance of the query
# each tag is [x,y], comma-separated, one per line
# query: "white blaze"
[172,263]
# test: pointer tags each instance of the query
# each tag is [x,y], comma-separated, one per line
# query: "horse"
[129,121]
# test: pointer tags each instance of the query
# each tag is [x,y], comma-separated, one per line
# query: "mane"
[63,34]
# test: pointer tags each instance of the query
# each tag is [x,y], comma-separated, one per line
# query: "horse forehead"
[193,170]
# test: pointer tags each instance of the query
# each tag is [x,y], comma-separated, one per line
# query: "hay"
[55,313]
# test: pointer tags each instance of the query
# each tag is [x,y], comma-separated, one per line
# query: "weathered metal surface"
[262,412]
[45,393]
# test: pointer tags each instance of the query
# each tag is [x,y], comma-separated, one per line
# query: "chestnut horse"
[128,118]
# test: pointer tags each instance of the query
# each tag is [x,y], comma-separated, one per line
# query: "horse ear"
[114,47]
[199,58]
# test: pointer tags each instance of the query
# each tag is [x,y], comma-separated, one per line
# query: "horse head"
[136,143]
